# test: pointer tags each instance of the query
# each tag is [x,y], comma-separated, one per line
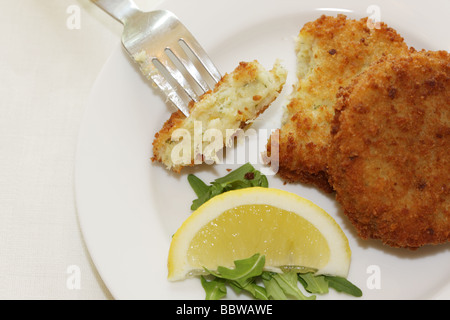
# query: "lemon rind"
[340,253]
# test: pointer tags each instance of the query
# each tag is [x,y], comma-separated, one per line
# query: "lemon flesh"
[288,229]
[285,238]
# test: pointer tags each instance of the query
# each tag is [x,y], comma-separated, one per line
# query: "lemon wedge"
[288,229]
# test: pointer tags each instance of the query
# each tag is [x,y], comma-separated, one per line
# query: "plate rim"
[79,203]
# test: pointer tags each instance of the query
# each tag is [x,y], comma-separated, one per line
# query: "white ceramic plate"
[129,208]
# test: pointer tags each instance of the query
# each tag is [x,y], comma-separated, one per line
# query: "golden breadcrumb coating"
[389,159]
[236,100]
[330,52]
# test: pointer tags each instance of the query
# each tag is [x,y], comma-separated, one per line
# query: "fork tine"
[176,74]
[172,89]
[191,44]
[190,67]
[181,74]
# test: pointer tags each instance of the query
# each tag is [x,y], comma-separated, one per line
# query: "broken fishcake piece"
[234,103]
[389,159]
[330,52]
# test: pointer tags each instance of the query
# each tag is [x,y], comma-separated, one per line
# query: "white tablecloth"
[52,51]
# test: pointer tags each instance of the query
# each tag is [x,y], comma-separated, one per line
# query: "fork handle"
[121,10]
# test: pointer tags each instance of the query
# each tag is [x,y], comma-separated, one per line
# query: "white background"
[47,70]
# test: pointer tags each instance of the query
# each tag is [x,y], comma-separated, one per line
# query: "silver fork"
[175,61]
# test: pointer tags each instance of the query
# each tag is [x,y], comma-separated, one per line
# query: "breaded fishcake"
[389,159]
[238,99]
[330,52]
